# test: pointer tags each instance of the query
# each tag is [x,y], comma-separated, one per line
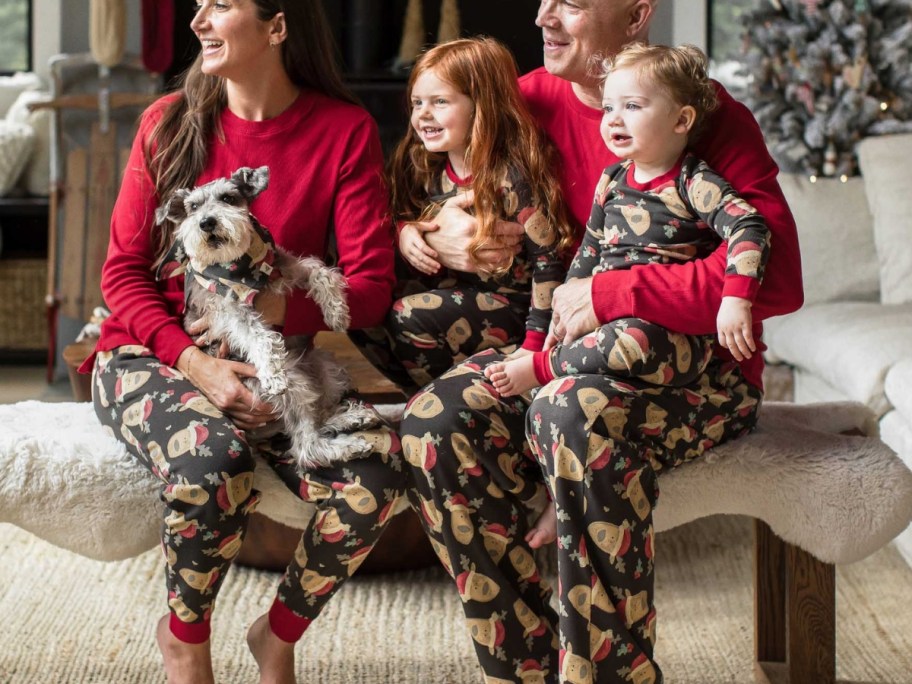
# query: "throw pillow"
[36,177]
[838,259]
[11,86]
[884,163]
[16,143]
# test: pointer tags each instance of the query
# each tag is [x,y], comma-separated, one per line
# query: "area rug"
[68,620]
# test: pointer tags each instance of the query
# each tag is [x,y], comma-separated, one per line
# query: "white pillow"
[11,86]
[836,237]
[16,143]
[884,163]
[36,178]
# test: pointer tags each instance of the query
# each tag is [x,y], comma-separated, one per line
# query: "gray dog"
[227,258]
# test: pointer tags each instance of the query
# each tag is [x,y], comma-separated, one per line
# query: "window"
[726,31]
[15,36]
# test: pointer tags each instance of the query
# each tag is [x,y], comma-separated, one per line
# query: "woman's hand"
[199,331]
[455,230]
[220,381]
[415,250]
[573,314]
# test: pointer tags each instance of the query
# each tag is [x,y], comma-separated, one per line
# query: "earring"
[273,44]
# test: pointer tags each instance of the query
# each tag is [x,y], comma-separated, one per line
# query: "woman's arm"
[686,297]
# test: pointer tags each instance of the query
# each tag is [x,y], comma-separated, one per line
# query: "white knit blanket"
[838,497]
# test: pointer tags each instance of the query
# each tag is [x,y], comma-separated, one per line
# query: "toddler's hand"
[415,250]
[734,326]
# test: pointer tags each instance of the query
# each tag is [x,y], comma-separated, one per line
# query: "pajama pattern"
[601,442]
[206,468]
[432,327]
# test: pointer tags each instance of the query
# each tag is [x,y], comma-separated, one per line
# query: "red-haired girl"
[472,143]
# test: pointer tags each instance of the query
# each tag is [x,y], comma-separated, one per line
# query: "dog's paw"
[273,384]
[331,450]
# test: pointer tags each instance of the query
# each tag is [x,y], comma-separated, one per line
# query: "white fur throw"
[838,497]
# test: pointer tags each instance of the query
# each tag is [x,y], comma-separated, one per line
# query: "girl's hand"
[457,228]
[415,250]
[734,323]
[220,381]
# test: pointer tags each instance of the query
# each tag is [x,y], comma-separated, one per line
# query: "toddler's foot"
[273,656]
[545,529]
[512,377]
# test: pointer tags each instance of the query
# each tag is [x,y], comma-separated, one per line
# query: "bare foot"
[273,656]
[512,377]
[184,663]
[545,529]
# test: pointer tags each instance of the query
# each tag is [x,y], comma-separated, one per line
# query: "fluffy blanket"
[839,497]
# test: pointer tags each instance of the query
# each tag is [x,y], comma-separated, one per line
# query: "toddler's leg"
[632,347]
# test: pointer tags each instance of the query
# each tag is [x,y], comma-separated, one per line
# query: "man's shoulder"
[538,84]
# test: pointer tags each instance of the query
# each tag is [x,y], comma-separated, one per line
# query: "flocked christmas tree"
[826,73]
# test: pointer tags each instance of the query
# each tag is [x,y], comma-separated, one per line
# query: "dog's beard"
[229,241]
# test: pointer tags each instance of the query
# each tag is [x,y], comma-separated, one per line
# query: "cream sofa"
[852,339]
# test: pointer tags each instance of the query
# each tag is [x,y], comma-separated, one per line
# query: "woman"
[263,91]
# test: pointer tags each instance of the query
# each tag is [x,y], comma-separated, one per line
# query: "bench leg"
[794,613]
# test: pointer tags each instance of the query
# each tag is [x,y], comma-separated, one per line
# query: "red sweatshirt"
[325,166]
[681,297]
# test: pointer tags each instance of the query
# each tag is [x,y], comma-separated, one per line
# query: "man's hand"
[734,324]
[456,229]
[572,312]
[415,250]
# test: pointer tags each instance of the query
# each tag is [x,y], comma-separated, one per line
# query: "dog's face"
[213,220]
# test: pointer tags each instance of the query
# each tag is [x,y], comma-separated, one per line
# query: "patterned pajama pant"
[427,332]
[206,467]
[632,347]
[601,443]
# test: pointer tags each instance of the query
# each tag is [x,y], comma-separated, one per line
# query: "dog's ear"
[173,210]
[251,182]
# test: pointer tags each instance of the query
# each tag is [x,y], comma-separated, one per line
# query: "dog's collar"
[239,280]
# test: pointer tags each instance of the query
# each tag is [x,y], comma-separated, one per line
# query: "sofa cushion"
[898,387]
[884,165]
[835,230]
[849,345]
[11,86]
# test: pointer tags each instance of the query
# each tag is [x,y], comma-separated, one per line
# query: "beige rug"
[66,619]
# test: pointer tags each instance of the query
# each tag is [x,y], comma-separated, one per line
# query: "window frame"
[29,46]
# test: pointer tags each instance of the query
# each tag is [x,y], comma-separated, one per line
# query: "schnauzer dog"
[228,258]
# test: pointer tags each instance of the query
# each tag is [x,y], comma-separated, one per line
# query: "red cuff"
[541,364]
[190,632]
[534,341]
[285,624]
[741,286]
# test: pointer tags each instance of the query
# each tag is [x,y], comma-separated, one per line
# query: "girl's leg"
[207,473]
[474,489]
[433,330]
[602,443]
[355,500]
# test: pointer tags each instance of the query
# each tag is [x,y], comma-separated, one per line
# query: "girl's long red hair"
[503,136]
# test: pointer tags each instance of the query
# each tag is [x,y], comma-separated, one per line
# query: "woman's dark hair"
[176,151]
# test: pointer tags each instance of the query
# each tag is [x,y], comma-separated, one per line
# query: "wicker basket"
[23,325]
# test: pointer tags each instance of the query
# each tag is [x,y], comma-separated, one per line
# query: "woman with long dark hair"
[265,90]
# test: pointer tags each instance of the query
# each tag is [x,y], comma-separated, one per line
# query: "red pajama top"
[325,165]
[682,297]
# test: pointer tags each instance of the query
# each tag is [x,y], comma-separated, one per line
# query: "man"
[600,441]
